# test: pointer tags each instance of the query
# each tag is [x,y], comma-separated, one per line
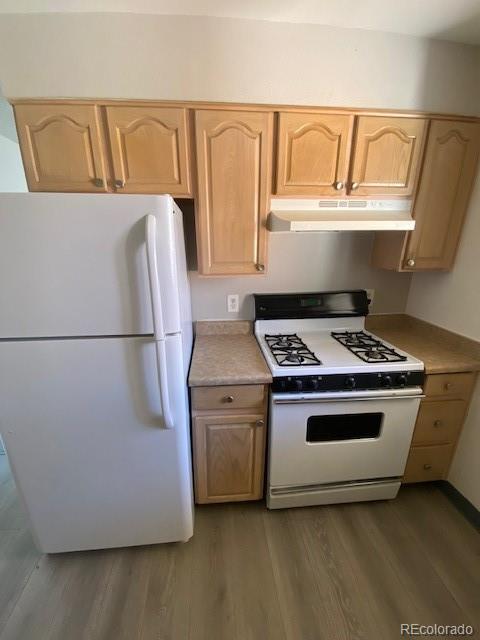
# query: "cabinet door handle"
[437,423]
[120,184]
[260,267]
[260,423]
[98,182]
[427,467]
[354,186]
[447,386]
[228,399]
[411,262]
[339,185]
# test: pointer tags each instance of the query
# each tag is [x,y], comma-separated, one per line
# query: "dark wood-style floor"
[345,571]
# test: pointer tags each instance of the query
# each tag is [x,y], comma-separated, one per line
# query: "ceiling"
[455,20]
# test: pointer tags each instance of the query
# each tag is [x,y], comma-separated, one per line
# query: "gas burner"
[366,347]
[373,355]
[290,351]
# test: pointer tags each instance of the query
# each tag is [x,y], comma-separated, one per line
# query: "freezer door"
[75,265]
[82,425]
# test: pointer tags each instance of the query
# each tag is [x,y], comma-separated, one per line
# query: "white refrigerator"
[95,345]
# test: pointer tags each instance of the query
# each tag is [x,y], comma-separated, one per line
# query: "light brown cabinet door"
[150,149]
[62,147]
[313,153]
[234,150]
[386,156]
[447,178]
[228,457]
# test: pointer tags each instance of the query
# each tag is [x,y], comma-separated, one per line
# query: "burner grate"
[290,351]
[366,347]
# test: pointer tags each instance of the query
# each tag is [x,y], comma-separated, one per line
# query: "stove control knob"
[402,380]
[350,382]
[299,385]
[314,383]
[387,381]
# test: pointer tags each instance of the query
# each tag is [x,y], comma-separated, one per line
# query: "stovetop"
[325,347]
[318,342]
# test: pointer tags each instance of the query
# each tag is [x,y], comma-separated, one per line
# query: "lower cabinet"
[228,444]
[439,423]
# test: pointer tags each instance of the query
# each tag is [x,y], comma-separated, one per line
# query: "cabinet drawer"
[248,396]
[439,421]
[449,385]
[428,463]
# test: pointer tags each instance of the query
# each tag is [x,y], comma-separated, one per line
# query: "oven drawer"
[449,385]
[323,442]
[439,421]
[428,463]
[247,396]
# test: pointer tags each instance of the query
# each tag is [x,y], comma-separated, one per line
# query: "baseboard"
[466,508]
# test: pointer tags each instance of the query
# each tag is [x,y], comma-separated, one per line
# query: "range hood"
[340,215]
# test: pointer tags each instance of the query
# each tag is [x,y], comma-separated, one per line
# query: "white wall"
[305,262]
[143,56]
[172,57]
[452,300]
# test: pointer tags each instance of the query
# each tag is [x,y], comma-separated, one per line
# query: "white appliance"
[95,345]
[343,404]
[308,214]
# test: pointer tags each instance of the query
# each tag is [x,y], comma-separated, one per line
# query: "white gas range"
[343,403]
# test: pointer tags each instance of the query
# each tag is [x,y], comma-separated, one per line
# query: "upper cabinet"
[149,148]
[447,179]
[313,153]
[234,150]
[386,156]
[316,155]
[442,198]
[62,147]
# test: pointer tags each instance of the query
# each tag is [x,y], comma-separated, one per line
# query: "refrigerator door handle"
[158,325]
[154,281]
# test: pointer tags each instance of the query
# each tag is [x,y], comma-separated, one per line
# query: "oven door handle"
[344,398]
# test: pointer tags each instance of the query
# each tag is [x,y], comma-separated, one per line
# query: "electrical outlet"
[370,296]
[232,303]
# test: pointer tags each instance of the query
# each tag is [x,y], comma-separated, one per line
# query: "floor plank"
[342,572]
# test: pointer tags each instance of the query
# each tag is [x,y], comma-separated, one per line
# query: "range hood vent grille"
[341,204]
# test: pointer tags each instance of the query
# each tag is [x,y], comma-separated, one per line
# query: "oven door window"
[346,426]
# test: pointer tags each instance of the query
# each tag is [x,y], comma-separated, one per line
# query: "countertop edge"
[217,382]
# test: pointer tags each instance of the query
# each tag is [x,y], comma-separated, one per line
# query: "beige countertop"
[221,356]
[440,350]
[227,352]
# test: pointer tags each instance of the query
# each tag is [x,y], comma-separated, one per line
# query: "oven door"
[340,437]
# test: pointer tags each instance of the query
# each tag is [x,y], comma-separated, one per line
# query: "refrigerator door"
[82,425]
[75,265]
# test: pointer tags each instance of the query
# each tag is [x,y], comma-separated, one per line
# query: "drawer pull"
[228,399]
[447,386]
[437,423]
[260,423]
[427,467]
